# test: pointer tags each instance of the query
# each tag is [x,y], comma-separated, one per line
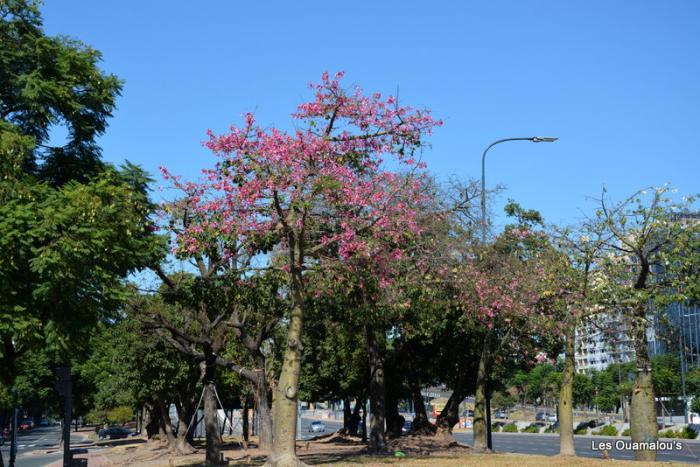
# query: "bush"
[686,433]
[626,432]
[510,428]
[120,415]
[582,429]
[96,417]
[531,429]
[496,427]
[607,430]
[550,429]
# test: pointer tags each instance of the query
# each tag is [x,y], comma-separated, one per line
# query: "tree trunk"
[421,424]
[364,420]
[449,415]
[166,427]
[566,395]
[211,405]
[347,416]
[185,410]
[245,427]
[284,402]
[394,420]
[262,402]
[376,342]
[356,418]
[643,425]
[480,408]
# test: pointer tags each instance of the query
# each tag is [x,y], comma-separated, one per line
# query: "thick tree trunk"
[643,425]
[211,406]
[347,416]
[355,418]
[245,427]
[394,420]
[566,395]
[421,424]
[166,428]
[284,402]
[449,416]
[480,408]
[185,410]
[262,402]
[376,343]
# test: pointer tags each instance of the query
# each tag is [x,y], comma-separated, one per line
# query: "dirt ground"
[340,451]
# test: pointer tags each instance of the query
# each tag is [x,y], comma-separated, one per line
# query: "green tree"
[49,81]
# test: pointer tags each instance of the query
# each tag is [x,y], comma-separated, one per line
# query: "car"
[24,425]
[552,418]
[407,426]
[114,433]
[540,417]
[317,427]
[43,422]
[502,413]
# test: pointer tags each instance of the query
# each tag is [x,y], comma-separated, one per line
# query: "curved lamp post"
[534,139]
[484,224]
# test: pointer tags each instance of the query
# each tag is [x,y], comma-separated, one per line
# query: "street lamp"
[534,139]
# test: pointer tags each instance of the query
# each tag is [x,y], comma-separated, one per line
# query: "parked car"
[540,416]
[502,413]
[114,433]
[407,426]
[551,417]
[24,425]
[317,427]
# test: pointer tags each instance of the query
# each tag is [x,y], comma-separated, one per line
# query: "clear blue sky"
[617,81]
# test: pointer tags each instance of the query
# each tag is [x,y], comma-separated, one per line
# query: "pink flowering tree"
[501,288]
[296,196]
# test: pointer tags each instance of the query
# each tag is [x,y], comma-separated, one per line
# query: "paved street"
[38,439]
[548,445]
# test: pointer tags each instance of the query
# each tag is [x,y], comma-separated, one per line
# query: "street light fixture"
[534,139]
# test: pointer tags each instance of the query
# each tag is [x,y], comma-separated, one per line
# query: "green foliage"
[607,430]
[510,428]
[496,427]
[666,375]
[581,430]
[48,81]
[686,433]
[532,428]
[503,399]
[626,432]
[549,429]
[120,415]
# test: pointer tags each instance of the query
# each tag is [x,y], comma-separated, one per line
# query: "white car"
[552,418]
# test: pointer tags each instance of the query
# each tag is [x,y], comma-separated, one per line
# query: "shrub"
[120,414]
[581,430]
[626,432]
[510,428]
[549,429]
[531,429]
[96,417]
[495,427]
[686,433]
[607,430]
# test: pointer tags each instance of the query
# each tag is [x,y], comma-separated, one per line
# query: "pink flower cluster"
[321,186]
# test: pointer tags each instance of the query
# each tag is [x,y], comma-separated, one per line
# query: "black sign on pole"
[64,388]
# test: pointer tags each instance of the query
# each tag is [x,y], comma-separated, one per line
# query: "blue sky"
[617,82]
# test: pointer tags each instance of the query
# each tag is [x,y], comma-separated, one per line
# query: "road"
[38,439]
[548,445]
[542,444]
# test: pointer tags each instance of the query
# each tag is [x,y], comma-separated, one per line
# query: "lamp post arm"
[483,180]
